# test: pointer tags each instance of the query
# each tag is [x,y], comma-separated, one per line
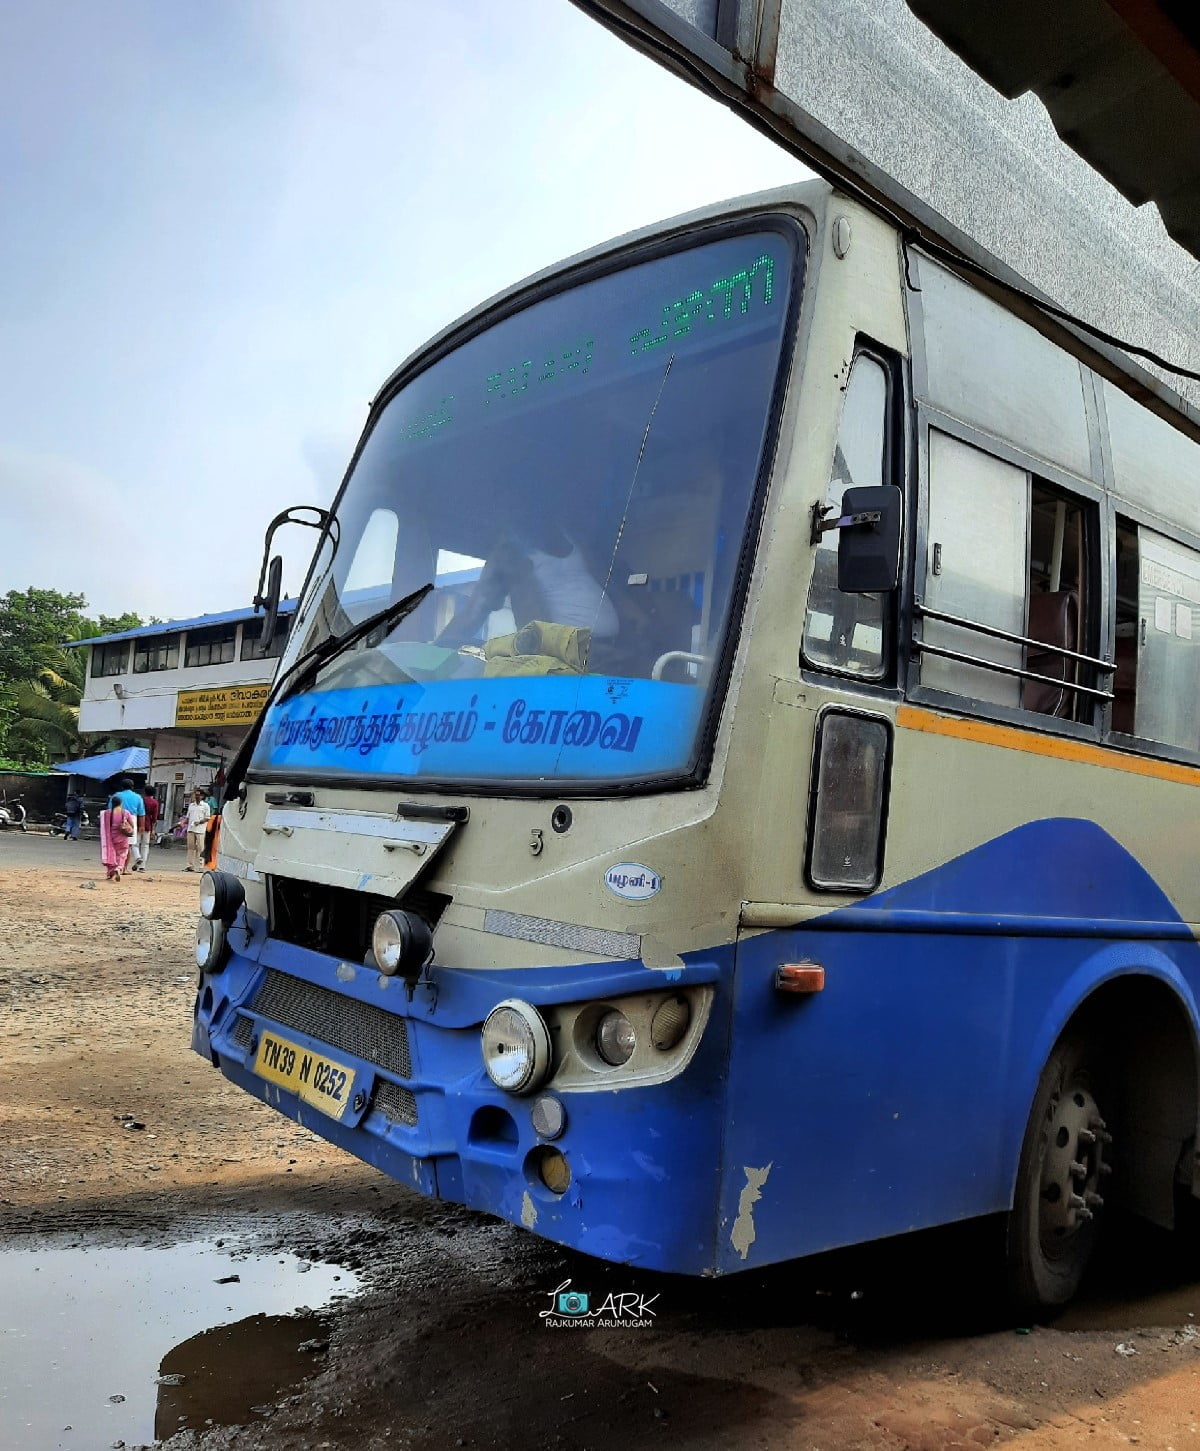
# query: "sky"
[225,222]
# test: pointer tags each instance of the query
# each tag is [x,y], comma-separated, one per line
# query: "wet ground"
[135,1184]
[97,1323]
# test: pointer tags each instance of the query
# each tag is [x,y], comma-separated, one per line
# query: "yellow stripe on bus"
[1059,748]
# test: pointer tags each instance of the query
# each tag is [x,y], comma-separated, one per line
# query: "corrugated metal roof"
[1120,79]
[173,627]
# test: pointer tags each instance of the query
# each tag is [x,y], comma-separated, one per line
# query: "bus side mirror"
[869,540]
[270,575]
[269,602]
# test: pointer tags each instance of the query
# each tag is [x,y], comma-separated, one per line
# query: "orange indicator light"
[800,977]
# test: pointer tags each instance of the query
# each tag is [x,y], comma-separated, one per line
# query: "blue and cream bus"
[731,788]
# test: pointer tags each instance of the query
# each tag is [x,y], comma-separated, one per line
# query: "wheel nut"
[1078,1171]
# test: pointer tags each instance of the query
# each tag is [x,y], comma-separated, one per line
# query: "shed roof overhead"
[1119,78]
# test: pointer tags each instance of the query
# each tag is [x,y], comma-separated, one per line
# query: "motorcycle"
[12,813]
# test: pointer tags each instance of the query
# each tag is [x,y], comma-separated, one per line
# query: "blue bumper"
[644,1181]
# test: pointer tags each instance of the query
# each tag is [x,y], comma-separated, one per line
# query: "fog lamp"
[615,1038]
[554,1171]
[210,944]
[516,1047]
[402,942]
[221,894]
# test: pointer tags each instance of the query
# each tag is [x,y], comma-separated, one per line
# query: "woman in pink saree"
[117,827]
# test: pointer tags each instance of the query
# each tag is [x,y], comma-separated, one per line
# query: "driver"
[541,571]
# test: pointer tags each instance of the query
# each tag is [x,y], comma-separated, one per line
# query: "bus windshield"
[576,481]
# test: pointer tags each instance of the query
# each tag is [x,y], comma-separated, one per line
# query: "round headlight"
[221,894]
[210,943]
[401,942]
[387,943]
[615,1038]
[516,1047]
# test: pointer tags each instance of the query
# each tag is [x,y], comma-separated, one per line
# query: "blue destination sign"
[577,727]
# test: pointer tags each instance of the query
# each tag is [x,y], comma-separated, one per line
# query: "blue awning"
[132,761]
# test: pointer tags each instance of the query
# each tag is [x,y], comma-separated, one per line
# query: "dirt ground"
[891,1348]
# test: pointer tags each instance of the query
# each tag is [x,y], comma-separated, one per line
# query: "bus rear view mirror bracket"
[868,538]
[270,574]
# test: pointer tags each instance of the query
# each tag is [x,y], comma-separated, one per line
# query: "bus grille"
[357,1028]
[395,1103]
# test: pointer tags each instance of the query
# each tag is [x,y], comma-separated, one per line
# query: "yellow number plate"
[323,1082]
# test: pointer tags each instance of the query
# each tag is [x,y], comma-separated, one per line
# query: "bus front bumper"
[640,1162]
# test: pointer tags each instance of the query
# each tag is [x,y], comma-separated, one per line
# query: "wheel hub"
[1073,1166]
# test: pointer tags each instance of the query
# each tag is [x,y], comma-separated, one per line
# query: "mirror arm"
[286,516]
[821,525]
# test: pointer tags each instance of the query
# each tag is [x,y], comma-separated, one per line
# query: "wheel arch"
[1143,1016]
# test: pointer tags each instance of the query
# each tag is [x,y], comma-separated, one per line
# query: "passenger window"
[844,632]
[1124,706]
[1058,602]
[1157,686]
[1006,604]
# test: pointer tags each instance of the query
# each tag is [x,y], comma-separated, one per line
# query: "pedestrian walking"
[146,829]
[74,810]
[198,814]
[118,831]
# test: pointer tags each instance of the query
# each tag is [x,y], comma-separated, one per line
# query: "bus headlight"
[615,1038]
[221,894]
[210,944]
[516,1047]
[402,942]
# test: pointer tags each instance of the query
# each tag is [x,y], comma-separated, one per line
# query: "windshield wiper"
[309,665]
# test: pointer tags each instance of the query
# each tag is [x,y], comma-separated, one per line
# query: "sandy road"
[893,1348]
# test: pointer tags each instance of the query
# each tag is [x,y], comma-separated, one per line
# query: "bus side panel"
[897,1098]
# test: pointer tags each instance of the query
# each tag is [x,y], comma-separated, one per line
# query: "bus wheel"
[1052,1228]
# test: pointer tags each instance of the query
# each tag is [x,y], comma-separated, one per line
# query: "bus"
[729,791]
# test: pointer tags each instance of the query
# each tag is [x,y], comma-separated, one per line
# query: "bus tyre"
[1054,1223]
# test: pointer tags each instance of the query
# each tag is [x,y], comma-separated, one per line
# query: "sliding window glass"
[110,659]
[213,646]
[161,652]
[1158,639]
[1009,581]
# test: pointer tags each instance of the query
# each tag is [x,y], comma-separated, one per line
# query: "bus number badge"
[632,881]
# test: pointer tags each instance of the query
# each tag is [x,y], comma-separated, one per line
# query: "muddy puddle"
[102,1345]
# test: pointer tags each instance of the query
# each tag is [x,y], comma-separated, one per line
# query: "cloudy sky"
[225,221]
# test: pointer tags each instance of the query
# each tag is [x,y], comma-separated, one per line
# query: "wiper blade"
[308,666]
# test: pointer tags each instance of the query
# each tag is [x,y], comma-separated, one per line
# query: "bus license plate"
[323,1082]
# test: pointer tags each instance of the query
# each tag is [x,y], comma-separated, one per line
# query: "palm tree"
[47,718]
[46,724]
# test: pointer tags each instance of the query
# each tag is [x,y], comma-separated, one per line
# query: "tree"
[41,684]
[33,625]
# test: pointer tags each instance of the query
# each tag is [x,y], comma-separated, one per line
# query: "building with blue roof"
[186,689]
